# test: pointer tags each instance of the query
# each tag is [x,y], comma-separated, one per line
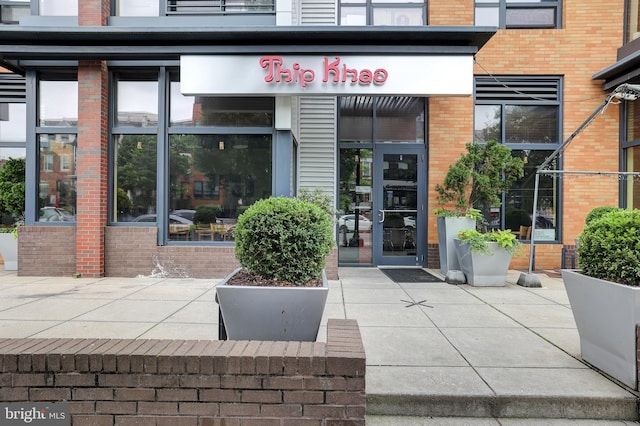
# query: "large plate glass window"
[523,113]
[57,127]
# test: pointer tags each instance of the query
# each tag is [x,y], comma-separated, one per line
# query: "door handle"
[381,215]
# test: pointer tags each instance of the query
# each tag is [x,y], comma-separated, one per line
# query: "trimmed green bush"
[286,239]
[206,214]
[609,247]
[598,212]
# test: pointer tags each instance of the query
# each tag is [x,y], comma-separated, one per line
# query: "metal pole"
[533,221]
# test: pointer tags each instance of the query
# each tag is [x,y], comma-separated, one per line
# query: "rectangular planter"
[272,313]
[606,314]
[448,229]
[484,270]
[9,251]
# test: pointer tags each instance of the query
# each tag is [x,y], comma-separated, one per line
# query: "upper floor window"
[632,12]
[58,8]
[518,13]
[12,10]
[191,7]
[383,12]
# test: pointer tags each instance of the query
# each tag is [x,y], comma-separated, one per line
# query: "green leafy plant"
[598,212]
[10,229]
[477,241]
[320,198]
[478,178]
[206,214]
[284,239]
[609,246]
[12,188]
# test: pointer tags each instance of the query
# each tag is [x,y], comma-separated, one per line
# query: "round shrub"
[286,239]
[206,214]
[598,212]
[609,247]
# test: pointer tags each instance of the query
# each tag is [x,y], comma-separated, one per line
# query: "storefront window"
[200,111]
[137,103]
[57,145]
[214,178]
[58,7]
[522,113]
[57,197]
[58,103]
[135,178]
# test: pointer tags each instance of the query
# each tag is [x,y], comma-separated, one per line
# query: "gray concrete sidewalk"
[442,353]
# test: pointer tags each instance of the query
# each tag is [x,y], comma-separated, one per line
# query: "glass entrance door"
[398,217]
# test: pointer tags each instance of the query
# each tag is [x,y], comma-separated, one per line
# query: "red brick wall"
[113,381]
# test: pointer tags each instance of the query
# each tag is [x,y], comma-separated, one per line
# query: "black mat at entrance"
[410,275]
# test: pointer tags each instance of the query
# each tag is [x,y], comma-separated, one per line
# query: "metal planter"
[272,313]
[484,270]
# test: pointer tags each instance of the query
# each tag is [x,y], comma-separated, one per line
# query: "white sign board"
[331,75]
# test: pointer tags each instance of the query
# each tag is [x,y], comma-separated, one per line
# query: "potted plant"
[605,294]
[476,180]
[12,187]
[280,291]
[484,257]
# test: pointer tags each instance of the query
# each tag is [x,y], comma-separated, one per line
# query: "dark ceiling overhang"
[162,43]
[623,71]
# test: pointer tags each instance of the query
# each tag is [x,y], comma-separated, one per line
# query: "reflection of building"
[268,101]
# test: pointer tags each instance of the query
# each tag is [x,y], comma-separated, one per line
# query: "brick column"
[92,151]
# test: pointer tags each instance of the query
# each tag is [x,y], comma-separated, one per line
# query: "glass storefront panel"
[57,178]
[198,111]
[400,119]
[355,220]
[519,199]
[13,119]
[135,178]
[487,123]
[137,103]
[213,179]
[531,124]
[58,103]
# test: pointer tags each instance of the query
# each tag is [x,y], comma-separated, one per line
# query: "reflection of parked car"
[55,214]
[173,219]
[410,221]
[187,214]
[348,223]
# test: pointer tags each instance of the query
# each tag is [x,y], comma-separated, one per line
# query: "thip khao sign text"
[330,75]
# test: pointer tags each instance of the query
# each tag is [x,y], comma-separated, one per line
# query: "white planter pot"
[448,229]
[272,313]
[9,251]
[606,315]
[484,270]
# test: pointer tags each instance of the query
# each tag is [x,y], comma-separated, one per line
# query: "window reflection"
[58,103]
[137,103]
[58,7]
[57,171]
[135,178]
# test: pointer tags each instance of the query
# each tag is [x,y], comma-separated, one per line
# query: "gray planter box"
[448,229]
[272,313]
[484,270]
[9,251]
[606,315]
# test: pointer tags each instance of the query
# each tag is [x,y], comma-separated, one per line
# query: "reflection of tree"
[350,175]
[136,173]
[521,194]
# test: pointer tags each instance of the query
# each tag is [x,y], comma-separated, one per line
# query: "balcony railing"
[207,7]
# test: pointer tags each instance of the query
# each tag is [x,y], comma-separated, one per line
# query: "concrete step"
[484,421]
[514,406]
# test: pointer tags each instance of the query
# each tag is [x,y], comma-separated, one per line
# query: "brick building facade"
[140,148]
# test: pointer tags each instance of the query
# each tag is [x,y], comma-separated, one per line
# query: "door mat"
[410,275]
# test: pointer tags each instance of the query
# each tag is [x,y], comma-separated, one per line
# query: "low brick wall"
[185,382]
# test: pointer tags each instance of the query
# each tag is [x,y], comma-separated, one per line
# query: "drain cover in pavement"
[410,275]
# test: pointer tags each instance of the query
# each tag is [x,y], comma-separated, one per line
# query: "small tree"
[12,189]
[479,177]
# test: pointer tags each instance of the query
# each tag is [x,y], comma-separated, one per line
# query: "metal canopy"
[168,43]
